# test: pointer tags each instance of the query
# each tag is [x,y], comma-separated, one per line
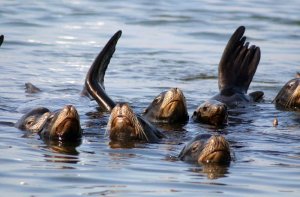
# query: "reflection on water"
[125,144]
[61,152]
[164,45]
[212,170]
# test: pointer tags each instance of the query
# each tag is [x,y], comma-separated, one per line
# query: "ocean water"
[164,44]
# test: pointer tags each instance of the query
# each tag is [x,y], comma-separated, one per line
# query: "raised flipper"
[94,82]
[238,64]
[1,39]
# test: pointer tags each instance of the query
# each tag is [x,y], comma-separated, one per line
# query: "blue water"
[164,44]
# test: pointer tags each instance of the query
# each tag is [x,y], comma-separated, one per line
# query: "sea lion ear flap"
[1,39]
[94,82]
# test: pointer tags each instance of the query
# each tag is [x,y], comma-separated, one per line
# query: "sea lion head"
[289,95]
[168,107]
[211,112]
[123,124]
[63,124]
[34,120]
[207,149]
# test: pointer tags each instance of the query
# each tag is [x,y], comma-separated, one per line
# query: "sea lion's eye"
[50,117]
[29,122]
[204,108]
[195,147]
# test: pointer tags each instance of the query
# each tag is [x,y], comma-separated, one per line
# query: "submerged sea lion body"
[206,148]
[168,107]
[289,95]
[236,70]
[63,124]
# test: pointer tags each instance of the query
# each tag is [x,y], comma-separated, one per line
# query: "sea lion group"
[235,73]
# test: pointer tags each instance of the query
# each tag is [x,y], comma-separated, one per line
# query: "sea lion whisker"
[138,128]
[290,102]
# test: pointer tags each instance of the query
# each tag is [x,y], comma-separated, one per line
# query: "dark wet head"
[123,124]
[289,95]
[63,124]
[211,112]
[34,120]
[168,107]
[30,88]
[207,149]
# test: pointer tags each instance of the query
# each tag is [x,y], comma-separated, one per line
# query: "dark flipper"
[238,63]
[1,39]
[94,82]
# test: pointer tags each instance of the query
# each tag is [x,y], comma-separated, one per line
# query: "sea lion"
[30,88]
[236,70]
[122,116]
[289,96]
[62,124]
[211,112]
[124,125]
[1,39]
[168,107]
[205,149]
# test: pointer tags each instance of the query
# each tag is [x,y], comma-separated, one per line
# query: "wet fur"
[94,82]
[238,63]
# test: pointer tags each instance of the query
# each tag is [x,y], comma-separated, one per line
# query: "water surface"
[164,44]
